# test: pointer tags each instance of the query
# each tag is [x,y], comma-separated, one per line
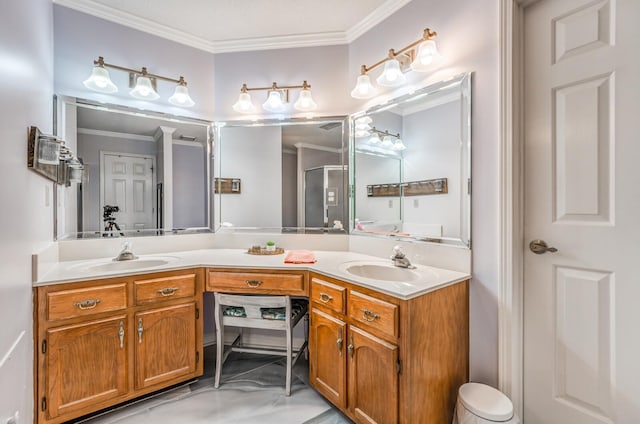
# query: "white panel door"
[129,184]
[582,196]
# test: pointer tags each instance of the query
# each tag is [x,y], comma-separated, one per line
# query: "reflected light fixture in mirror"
[396,63]
[277,98]
[142,83]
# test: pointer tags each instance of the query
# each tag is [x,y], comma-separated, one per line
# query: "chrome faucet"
[126,254]
[399,259]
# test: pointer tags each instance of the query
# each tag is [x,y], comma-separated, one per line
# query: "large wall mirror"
[145,173]
[411,166]
[282,175]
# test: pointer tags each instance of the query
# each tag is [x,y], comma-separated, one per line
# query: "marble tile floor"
[251,391]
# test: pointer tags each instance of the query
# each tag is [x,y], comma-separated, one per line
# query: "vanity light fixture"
[388,141]
[396,63]
[277,98]
[362,127]
[142,83]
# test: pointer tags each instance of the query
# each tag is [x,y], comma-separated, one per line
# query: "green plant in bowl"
[271,246]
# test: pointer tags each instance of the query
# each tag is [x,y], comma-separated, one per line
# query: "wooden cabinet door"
[165,344]
[373,378]
[327,362]
[86,364]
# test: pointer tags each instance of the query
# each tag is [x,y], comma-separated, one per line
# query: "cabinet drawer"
[373,313]
[250,282]
[66,304]
[165,288]
[328,295]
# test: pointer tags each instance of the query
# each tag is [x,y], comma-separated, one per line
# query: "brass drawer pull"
[325,298]
[369,316]
[254,283]
[351,347]
[121,335]
[168,291]
[87,304]
[140,330]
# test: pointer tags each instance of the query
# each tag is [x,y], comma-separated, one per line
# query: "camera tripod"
[110,225]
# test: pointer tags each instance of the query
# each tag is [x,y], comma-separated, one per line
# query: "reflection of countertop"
[328,263]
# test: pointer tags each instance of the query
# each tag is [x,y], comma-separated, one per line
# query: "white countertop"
[330,263]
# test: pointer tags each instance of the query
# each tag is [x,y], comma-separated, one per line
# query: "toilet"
[482,404]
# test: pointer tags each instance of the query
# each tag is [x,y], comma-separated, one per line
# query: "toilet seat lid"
[486,402]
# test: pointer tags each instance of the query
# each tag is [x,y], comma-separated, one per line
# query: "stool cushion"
[267,313]
[485,402]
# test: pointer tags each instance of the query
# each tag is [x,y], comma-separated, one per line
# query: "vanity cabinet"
[102,342]
[385,360]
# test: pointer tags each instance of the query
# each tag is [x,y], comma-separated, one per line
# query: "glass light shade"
[144,90]
[100,81]
[392,76]
[387,141]
[374,139]
[427,55]
[362,133]
[75,170]
[363,89]
[48,151]
[305,102]
[274,102]
[398,145]
[181,97]
[244,104]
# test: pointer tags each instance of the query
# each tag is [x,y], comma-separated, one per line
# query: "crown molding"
[99,10]
[385,10]
[114,134]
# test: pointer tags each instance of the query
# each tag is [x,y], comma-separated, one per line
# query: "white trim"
[102,11]
[381,13]
[511,237]
[115,134]
[318,147]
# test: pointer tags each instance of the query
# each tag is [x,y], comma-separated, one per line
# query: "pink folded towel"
[300,257]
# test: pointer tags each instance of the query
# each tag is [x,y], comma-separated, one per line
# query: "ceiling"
[240,25]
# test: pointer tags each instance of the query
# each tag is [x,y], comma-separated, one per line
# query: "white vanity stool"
[251,314]
[482,404]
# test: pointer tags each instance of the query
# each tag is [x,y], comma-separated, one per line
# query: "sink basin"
[381,271]
[132,265]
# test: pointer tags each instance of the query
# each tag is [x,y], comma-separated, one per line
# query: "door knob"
[540,246]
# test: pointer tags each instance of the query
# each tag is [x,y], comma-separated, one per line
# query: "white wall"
[254,155]
[26,224]
[373,169]
[468,39]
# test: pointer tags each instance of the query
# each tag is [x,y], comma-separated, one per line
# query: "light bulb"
[392,76]
[305,102]
[181,96]
[144,90]
[363,89]
[100,81]
[244,104]
[274,102]
[427,55]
